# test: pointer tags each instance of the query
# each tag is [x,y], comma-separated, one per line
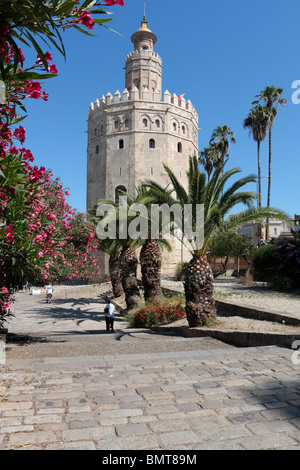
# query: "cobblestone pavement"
[81,388]
[247,398]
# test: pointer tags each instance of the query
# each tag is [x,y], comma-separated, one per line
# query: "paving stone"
[23,438]
[93,433]
[132,430]
[268,427]
[268,442]
[181,437]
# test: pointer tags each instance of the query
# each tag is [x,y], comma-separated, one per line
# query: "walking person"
[109,316]
[49,293]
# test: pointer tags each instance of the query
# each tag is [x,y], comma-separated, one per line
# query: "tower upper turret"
[143,38]
[143,66]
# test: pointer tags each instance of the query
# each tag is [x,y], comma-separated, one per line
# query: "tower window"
[183,130]
[179,147]
[145,122]
[174,126]
[116,125]
[126,123]
[152,144]
[118,190]
[121,144]
[151,171]
[97,149]
[157,122]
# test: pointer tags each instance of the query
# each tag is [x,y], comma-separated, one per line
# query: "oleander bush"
[158,312]
[278,263]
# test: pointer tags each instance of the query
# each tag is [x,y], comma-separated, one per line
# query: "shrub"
[278,262]
[264,259]
[157,313]
[180,270]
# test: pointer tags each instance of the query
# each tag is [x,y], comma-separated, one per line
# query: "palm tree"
[210,158]
[272,98]
[127,258]
[112,248]
[257,123]
[223,136]
[150,255]
[199,277]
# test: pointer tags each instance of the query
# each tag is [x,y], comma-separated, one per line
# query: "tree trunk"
[259,189]
[269,180]
[150,259]
[248,267]
[199,290]
[128,265]
[115,276]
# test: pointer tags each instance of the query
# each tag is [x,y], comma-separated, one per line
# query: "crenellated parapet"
[129,97]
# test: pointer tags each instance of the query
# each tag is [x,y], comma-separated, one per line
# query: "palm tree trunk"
[115,276]
[259,187]
[199,290]
[150,259]
[269,179]
[128,265]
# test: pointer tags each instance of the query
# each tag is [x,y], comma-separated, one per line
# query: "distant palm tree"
[272,98]
[223,136]
[199,278]
[210,158]
[257,123]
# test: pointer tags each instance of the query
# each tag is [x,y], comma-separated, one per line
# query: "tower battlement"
[134,95]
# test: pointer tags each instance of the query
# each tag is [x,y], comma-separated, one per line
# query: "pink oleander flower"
[86,20]
[114,2]
[4,289]
[52,68]
[41,254]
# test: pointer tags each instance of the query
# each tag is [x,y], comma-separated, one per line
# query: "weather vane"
[144,11]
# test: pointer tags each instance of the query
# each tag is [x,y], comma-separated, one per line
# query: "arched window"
[117,125]
[121,144]
[102,129]
[145,122]
[97,150]
[95,131]
[174,126]
[152,144]
[126,123]
[183,130]
[118,191]
[179,147]
[157,123]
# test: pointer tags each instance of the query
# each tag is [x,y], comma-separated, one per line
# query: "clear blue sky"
[221,53]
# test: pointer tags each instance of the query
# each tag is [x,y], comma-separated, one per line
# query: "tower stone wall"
[131,135]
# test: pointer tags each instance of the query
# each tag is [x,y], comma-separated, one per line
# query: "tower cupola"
[143,38]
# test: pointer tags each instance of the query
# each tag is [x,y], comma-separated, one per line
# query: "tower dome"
[143,38]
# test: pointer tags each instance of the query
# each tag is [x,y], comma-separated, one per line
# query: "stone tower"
[131,136]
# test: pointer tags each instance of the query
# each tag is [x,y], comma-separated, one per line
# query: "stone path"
[231,398]
[69,385]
